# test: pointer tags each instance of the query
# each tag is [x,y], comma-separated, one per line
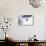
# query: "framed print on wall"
[26,20]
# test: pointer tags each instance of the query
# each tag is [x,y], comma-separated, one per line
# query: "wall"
[14,8]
